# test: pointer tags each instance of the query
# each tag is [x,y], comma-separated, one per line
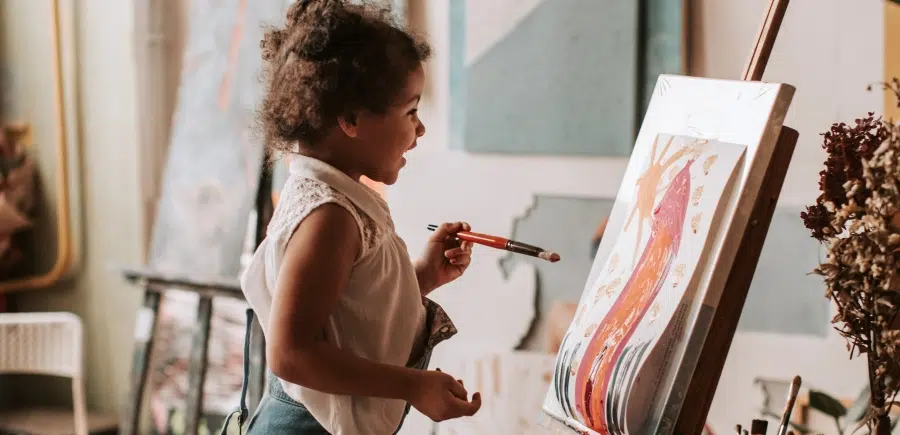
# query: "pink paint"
[632,304]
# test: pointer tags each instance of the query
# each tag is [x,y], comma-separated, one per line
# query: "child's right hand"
[441,397]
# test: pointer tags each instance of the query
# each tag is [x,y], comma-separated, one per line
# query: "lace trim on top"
[301,196]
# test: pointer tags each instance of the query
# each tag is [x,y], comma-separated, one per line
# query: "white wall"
[830,50]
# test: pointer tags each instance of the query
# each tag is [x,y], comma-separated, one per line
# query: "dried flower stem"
[858,216]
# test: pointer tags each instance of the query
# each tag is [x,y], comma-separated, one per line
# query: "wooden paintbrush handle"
[483,239]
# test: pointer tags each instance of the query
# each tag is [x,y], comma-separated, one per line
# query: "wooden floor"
[52,422]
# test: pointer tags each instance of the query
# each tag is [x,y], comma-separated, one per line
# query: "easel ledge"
[160,281]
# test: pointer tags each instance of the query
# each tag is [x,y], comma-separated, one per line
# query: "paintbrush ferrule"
[523,248]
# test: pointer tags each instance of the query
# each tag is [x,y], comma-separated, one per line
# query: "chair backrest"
[41,343]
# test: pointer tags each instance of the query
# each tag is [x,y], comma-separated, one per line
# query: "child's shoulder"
[300,196]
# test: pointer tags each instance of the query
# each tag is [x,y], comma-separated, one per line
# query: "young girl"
[348,329]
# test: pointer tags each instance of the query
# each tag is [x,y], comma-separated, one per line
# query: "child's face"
[384,138]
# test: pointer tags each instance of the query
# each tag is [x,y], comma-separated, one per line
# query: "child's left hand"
[445,257]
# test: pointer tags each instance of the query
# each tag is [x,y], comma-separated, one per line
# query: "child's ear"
[349,124]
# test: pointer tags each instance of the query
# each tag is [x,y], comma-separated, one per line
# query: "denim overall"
[279,414]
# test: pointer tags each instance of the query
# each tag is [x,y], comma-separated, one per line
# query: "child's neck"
[334,160]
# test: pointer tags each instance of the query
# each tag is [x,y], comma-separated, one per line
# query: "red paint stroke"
[233,51]
[621,321]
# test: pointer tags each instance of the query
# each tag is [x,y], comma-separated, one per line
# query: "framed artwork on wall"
[558,77]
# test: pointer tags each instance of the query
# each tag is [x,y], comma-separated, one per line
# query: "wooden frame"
[891,55]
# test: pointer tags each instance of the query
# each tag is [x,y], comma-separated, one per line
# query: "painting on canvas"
[623,327]
[646,305]
[596,62]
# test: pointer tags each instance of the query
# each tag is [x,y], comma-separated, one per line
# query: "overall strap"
[242,411]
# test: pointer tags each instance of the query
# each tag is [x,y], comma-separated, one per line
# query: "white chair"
[44,344]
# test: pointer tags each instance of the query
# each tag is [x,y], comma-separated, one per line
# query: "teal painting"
[557,77]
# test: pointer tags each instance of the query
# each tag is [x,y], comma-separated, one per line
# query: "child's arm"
[314,271]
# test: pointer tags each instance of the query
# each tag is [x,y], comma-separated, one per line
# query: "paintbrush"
[504,244]
[789,406]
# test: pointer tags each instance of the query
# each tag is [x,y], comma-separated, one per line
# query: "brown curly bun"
[332,57]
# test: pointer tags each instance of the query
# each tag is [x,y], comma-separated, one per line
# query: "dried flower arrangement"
[16,194]
[857,216]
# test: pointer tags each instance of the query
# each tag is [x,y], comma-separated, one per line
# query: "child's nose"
[420,129]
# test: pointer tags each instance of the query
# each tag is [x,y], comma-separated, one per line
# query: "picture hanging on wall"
[558,77]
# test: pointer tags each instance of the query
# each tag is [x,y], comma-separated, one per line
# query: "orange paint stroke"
[647,188]
[233,51]
[621,321]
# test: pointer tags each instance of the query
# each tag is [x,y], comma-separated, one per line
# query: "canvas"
[625,326]
[500,49]
[682,207]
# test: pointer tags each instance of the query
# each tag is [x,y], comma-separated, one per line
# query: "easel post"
[146,323]
[703,384]
[265,207]
[197,364]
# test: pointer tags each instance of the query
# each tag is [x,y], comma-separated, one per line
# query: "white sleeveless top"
[381,315]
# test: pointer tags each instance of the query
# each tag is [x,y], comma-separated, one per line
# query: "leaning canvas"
[672,235]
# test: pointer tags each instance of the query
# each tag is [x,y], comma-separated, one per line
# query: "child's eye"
[413,112]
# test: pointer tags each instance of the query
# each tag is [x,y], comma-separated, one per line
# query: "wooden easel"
[155,284]
[215,178]
[702,387]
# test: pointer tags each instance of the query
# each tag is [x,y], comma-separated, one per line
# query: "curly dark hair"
[330,58]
